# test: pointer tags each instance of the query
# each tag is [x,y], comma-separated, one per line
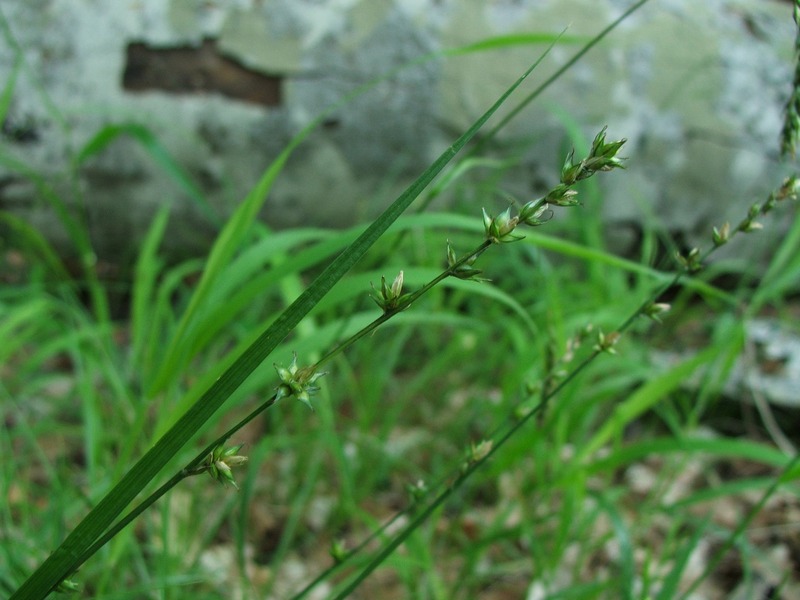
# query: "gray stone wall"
[697,87]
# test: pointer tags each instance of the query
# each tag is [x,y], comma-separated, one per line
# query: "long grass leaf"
[234,231]
[37,244]
[161,157]
[717,447]
[672,580]
[501,42]
[8,88]
[559,72]
[145,275]
[78,233]
[65,559]
[645,398]
[622,535]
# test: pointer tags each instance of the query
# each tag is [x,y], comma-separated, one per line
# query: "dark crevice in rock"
[21,131]
[192,70]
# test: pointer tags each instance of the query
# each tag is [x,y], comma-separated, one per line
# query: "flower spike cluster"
[67,586]
[602,157]
[221,460]
[656,310]
[465,270]
[218,464]
[789,189]
[499,229]
[535,213]
[692,262]
[297,382]
[791,118]
[390,298]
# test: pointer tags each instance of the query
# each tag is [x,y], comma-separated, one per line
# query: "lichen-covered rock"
[697,88]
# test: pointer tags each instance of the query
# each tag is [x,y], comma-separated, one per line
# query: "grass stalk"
[65,559]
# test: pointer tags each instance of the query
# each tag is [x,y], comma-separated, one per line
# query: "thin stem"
[187,471]
[191,468]
[413,297]
[742,526]
[517,424]
[337,565]
[549,81]
[387,550]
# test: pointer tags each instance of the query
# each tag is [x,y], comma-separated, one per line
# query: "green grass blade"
[34,242]
[672,581]
[559,72]
[64,560]
[781,276]
[157,152]
[231,236]
[519,39]
[627,566]
[645,398]
[18,325]
[245,280]
[789,473]
[663,446]
[737,487]
[146,274]
[577,251]
[8,89]
[78,234]
[228,241]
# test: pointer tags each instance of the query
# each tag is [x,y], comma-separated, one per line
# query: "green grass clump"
[469,438]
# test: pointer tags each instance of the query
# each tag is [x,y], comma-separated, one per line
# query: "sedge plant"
[503,229]
[222,457]
[300,382]
[83,541]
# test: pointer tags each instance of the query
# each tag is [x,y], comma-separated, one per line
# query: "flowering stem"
[190,469]
[514,423]
[193,467]
[791,122]
[408,301]
[298,382]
